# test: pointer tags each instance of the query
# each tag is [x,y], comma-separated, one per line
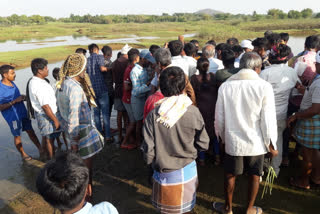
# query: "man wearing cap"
[247,47]
[307,133]
[140,89]
[118,68]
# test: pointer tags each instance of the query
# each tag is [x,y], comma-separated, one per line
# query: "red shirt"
[149,105]
[126,95]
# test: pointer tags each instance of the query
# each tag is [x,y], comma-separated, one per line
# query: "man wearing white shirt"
[215,64]
[245,121]
[190,50]
[176,48]
[283,79]
[43,101]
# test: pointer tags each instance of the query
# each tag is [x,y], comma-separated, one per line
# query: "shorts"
[19,126]
[129,112]
[118,105]
[137,105]
[237,165]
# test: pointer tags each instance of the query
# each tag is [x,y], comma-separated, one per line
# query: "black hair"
[81,51]
[175,47]
[5,69]
[63,181]
[153,48]
[261,43]
[237,49]
[311,42]
[172,81]
[38,64]
[106,50]
[283,51]
[284,36]
[223,46]
[92,46]
[274,39]
[268,33]
[228,57]
[190,49]
[194,41]
[55,73]
[203,66]
[233,41]
[119,54]
[211,42]
[132,54]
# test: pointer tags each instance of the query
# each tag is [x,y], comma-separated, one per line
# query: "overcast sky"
[63,8]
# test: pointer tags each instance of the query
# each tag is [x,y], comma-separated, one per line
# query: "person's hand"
[165,45]
[291,119]
[272,152]
[20,99]
[301,88]
[56,124]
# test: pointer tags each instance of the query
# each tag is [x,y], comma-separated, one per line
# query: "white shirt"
[101,208]
[215,64]
[245,117]
[283,79]
[311,94]
[192,62]
[180,62]
[41,93]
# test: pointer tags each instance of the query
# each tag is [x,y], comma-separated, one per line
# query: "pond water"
[13,176]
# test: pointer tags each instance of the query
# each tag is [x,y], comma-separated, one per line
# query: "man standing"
[95,67]
[43,101]
[208,51]
[246,123]
[283,79]
[14,111]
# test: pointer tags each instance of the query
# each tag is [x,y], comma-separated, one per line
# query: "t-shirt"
[311,94]
[126,95]
[18,110]
[101,208]
[149,105]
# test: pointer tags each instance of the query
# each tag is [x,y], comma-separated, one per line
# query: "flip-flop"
[27,158]
[258,209]
[294,183]
[219,207]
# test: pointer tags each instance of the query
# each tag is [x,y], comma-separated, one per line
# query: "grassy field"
[204,30]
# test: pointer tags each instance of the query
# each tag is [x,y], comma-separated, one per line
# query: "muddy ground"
[121,177]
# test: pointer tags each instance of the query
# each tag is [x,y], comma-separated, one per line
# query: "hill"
[209,12]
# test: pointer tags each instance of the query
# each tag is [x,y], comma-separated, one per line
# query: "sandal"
[131,146]
[219,207]
[294,183]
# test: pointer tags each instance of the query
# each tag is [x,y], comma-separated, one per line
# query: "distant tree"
[276,13]
[306,13]
[294,14]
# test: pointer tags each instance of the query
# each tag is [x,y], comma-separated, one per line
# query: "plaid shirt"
[73,107]
[96,77]
[139,78]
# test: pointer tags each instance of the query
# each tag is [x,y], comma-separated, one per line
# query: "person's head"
[55,73]
[133,55]
[172,81]
[190,49]
[81,51]
[7,72]
[125,49]
[153,49]
[221,47]
[312,42]
[203,65]
[93,48]
[251,60]
[39,67]
[196,43]
[163,57]
[260,46]
[282,55]
[268,33]
[175,47]
[63,182]
[247,45]
[228,57]
[211,42]
[107,51]
[232,41]
[208,51]
[237,49]
[274,40]
[119,55]
[284,38]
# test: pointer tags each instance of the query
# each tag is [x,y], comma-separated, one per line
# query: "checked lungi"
[46,126]
[307,132]
[175,192]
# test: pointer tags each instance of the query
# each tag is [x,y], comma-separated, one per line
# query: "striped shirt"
[139,79]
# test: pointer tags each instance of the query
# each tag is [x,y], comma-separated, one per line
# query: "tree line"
[165,17]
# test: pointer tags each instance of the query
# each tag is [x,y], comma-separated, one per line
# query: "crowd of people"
[240,102]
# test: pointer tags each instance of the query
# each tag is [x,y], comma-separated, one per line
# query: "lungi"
[175,192]
[307,132]
[46,126]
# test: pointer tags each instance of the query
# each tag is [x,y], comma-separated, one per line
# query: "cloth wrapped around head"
[73,66]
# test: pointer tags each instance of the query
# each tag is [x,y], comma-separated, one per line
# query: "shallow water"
[14,176]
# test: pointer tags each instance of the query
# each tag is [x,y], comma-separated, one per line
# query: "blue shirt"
[93,69]
[18,110]
[139,79]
